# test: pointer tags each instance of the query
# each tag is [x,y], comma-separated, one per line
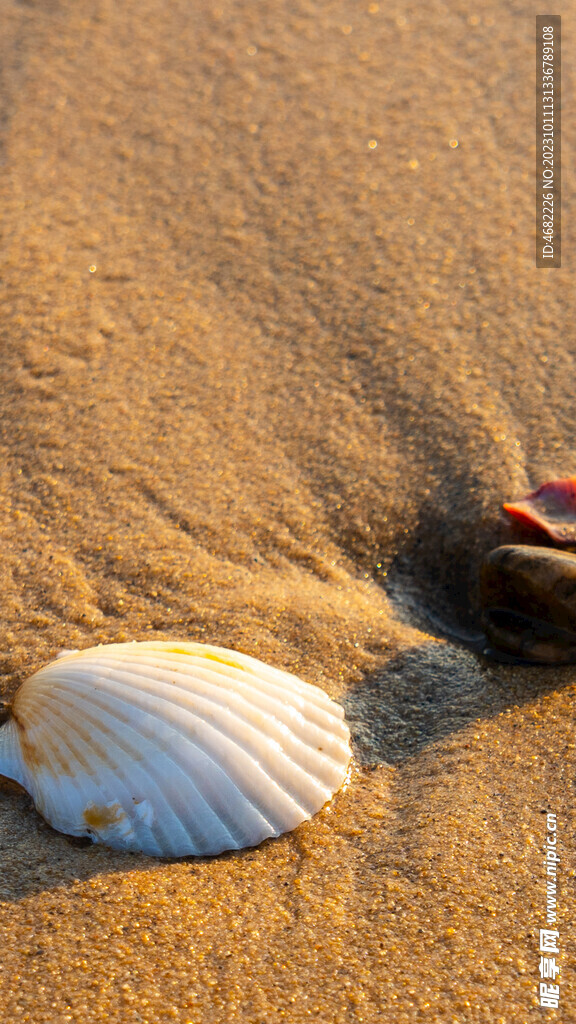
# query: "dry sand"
[266,384]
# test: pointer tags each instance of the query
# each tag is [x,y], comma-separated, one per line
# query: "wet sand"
[274,350]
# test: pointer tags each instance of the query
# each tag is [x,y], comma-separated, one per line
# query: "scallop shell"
[173,749]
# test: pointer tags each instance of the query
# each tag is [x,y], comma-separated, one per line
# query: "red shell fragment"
[552,509]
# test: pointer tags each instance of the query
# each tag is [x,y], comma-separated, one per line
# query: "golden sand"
[274,351]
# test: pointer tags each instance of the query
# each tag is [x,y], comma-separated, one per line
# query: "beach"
[274,352]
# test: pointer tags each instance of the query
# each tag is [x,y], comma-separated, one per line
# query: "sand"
[274,351]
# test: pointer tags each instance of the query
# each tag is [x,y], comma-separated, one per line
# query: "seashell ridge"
[173,749]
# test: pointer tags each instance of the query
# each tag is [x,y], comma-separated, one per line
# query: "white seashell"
[173,749]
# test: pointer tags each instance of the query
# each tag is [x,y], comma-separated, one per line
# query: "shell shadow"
[36,859]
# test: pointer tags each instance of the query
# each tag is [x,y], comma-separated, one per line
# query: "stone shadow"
[432,690]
